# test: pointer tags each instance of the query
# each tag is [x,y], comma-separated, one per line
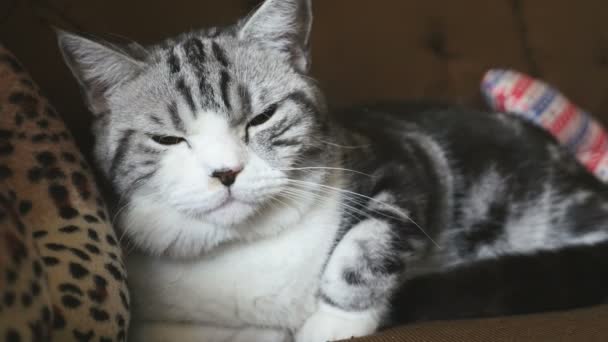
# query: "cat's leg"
[182,332]
[361,275]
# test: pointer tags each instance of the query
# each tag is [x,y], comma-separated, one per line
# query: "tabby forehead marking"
[176,119]
[186,93]
[225,81]
[219,54]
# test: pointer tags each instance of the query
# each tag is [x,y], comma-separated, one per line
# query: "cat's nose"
[226,176]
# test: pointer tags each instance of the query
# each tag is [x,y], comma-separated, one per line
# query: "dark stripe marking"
[195,52]
[156,119]
[207,94]
[224,84]
[300,98]
[187,94]
[176,120]
[220,55]
[140,181]
[173,62]
[121,152]
[286,142]
[486,231]
[141,148]
[280,129]
[283,126]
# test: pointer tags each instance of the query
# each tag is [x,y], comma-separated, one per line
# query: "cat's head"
[200,135]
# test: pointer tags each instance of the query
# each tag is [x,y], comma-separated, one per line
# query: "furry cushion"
[61,270]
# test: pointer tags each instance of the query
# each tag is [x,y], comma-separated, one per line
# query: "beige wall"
[363,49]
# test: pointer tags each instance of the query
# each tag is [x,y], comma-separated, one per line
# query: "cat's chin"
[230,213]
[157,229]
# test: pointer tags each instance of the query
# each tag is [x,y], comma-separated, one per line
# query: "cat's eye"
[167,140]
[262,118]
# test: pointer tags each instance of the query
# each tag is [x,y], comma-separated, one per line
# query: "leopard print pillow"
[61,270]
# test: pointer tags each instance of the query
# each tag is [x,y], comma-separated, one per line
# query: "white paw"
[332,324]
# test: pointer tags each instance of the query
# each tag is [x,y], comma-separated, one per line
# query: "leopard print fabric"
[61,272]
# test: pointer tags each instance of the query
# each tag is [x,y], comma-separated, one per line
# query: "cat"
[254,213]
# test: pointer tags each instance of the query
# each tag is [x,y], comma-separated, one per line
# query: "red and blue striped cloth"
[513,92]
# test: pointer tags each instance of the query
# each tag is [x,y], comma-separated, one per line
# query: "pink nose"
[226,176]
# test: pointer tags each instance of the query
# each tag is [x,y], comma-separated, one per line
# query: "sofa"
[362,51]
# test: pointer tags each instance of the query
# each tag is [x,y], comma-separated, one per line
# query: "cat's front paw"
[332,324]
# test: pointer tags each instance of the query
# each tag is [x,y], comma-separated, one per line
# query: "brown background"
[363,50]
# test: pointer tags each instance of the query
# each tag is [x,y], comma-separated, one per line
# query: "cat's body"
[256,215]
[274,282]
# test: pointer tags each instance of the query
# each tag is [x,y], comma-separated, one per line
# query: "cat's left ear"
[98,66]
[285,25]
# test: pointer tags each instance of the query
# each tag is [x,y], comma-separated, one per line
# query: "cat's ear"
[98,66]
[284,25]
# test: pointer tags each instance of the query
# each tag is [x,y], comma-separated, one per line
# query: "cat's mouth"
[225,203]
[228,211]
[226,208]
[221,201]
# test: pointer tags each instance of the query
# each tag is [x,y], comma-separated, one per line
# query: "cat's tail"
[519,284]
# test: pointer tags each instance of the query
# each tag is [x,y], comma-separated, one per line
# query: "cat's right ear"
[284,25]
[99,67]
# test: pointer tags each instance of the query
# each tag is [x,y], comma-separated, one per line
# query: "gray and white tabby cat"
[258,216]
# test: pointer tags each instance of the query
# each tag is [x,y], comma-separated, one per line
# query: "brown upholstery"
[584,325]
[363,50]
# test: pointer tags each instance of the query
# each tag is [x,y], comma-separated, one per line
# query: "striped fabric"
[517,93]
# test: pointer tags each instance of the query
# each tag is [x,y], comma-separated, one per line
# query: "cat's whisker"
[325,168]
[117,214]
[123,233]
[124,195]
[127,250]
[352,211]
[342,146]
[359,202]
[390,206]
[346,196]
[295,196]
[276,198]
[343,191]
[348,209]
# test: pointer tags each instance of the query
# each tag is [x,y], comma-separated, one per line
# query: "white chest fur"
[270,282]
